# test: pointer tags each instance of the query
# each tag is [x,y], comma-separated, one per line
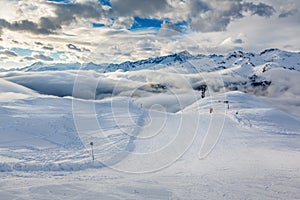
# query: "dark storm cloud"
[140,8]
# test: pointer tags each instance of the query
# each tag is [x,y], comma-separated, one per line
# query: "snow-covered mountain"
[40,66]
[240,70]
[267,59]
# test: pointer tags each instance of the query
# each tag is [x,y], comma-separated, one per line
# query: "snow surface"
[153,134]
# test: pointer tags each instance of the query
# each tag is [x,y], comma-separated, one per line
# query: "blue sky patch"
[183,26]
[24,52]
[60,1]
[105,2]
[98,25]
[140,23]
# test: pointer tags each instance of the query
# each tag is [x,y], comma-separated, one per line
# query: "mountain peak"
[184,55]
[269,50]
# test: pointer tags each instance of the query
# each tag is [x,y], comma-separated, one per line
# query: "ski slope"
[45,154]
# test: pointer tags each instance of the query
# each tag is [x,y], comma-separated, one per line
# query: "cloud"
[284,89]
[66,29]
[204,15]
[8,53]
[27,58]
[232,42]
[73,47]
[197,6]
[288,13]
[141,8]
[24,25]
[214,15]
[68,13]
[48,48]
[38,43]
[260,9]
[288,10]
[45,47]
[167,25]
[49,24]
[123,22]
[64,14]
[42,57]
[238,41]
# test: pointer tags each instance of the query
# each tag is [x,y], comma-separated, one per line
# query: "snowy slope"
[121,128]
[153,134]
[39,138]
[10,91]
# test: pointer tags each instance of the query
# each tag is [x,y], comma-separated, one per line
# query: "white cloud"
[234,41]
[123,22]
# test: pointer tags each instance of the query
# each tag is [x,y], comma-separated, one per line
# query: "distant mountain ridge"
[269,58]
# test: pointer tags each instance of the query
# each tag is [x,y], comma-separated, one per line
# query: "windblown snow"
[154,135]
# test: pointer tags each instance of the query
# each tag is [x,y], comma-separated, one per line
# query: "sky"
[114,31]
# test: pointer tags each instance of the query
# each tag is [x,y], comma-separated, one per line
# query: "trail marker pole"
[91,143]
